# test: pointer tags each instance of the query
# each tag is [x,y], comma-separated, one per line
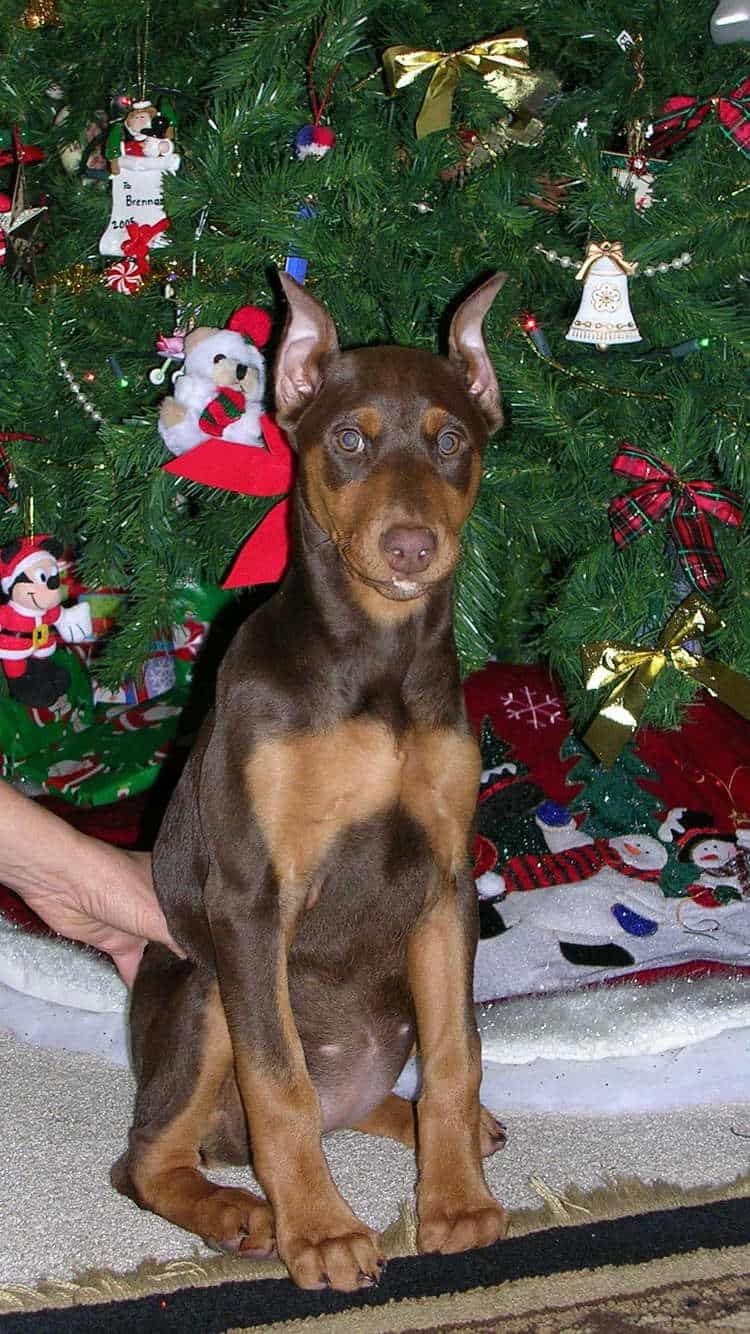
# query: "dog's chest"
[307,789]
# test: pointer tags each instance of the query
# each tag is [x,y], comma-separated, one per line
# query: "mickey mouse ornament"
[32,620]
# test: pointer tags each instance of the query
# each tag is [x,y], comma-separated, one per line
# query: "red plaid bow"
[140,237]
[680,116]
[688,504]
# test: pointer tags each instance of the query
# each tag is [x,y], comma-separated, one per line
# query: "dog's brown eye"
[350,441]
[449,442]
[219,357]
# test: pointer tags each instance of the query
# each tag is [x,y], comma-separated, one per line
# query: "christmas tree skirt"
[682,1041]
[550,1036]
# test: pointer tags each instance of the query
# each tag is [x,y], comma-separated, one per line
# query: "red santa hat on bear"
[246,332]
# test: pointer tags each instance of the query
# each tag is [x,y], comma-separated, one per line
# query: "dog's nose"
[408,550]
[241,372]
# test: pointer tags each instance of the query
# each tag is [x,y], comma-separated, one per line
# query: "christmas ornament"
[730,22]
[266,472]
[315,140]
[41,14]
[124,276]
[631,671]
[686,506]
[32,620]
[682,116]
[172,349]
[604,316]
[128,275]
[19,222]
[502,62]
[84,155]
[140,151]
[634,169]
[220,392]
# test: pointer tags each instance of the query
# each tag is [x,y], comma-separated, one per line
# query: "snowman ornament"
[140,151]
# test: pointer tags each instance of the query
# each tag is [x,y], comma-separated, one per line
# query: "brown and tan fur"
[313,863]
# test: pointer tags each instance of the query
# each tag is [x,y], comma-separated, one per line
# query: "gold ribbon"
[632,672]
[606,250]
[503,63]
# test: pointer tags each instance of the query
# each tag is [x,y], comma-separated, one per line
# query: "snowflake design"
[605,297]
[537,712]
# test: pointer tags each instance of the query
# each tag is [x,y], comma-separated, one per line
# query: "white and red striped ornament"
[3,247]
[124,276]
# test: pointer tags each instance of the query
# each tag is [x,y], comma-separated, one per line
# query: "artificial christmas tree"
[389,229]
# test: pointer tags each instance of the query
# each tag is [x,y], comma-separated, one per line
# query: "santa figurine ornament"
[32,621]
[139,150]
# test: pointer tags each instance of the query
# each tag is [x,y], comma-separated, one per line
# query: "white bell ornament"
[730,22]
[604,316]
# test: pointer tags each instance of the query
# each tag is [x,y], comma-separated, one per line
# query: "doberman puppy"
[313,862]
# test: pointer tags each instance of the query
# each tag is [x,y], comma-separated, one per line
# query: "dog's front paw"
[336,1253]
[461,1227]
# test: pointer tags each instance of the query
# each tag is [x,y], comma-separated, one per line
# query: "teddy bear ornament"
[219,393]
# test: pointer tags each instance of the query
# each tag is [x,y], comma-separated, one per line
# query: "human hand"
[81,887]
[111,905]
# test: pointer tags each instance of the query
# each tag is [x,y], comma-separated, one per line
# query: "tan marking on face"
[306,788]
[370,422]
[384,610]
[440,785]
[433,422]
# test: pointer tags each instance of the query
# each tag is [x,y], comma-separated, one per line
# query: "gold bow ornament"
[632,671]
[611,250]
[503,63]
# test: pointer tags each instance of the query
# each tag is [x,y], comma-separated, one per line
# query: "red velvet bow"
[681,116]
[250,472]
[140,237]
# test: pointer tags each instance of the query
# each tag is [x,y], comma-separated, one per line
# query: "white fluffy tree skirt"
[681,1041]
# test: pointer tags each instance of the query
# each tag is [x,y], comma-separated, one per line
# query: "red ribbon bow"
[681,116]
[687,504]
[140,236]
[250,472]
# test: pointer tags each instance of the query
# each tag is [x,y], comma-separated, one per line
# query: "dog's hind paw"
[233,1220]
[492,1134]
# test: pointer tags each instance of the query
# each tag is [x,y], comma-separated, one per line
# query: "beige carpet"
[64,1119]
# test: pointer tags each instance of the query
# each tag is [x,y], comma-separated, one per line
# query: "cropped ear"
[309,335]
[468,352]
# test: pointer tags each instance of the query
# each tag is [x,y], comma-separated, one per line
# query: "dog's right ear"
[310,334]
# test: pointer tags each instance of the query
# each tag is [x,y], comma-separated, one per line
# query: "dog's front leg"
[456,1210]
[318,1237]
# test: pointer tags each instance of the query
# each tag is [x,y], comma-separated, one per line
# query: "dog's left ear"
[468,352]
[309,335]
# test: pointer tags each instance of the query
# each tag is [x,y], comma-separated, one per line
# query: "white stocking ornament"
[139,157]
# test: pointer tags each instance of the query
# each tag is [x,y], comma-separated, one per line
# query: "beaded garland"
[650,270]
